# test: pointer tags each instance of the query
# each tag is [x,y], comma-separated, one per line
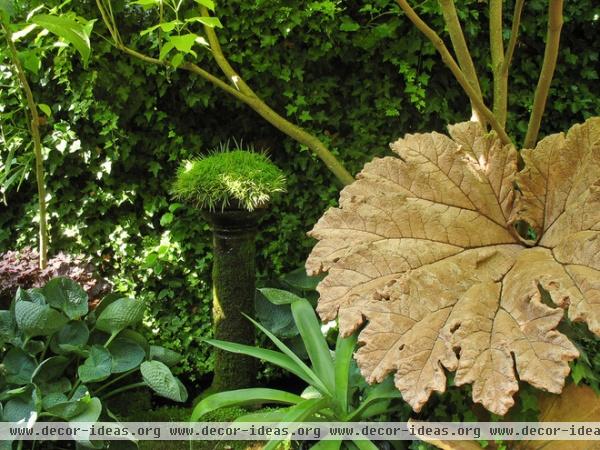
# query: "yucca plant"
[332,394]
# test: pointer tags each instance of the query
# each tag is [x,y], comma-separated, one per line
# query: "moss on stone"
[229,179]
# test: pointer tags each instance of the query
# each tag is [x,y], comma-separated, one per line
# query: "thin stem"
[514,35]
[555,21]
[37,147]
[497,53]
[123,389]
[461,49]
[438,43]
[46,345]
[114,380]
[110,339]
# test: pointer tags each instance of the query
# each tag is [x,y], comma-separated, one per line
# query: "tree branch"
[461,50]
[438,43]
[37,146]
[555,21]
[256,103]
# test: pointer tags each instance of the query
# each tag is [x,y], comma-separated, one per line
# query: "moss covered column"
[233,277]
[232,188]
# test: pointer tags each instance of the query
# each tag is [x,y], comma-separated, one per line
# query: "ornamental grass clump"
[236,179]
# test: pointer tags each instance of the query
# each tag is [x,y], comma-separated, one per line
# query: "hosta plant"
[425,251]
[61,361]
[335,389]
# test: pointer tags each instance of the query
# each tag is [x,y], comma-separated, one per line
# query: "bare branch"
[555,21]
[438,43]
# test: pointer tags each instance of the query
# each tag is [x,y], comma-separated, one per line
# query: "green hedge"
[355,73]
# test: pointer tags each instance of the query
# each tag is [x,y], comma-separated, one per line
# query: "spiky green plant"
[238,178]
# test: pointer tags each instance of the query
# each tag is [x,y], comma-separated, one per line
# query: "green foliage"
[334,393]
[74,30]
[358,75]
[236,178]
[57,361]
[586,368]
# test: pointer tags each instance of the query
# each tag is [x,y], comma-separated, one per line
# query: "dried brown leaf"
[422,248]
[575,404]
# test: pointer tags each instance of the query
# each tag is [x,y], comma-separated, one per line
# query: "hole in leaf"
[456,351]
[526,231]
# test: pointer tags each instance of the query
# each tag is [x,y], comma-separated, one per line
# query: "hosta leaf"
[19,366]
[8,327]
[53,399]
[34,295]
[71,338]
[277,318]
[50,370]
[60,386]
[97,366]
[7,394]
[160,379]
[68,296]
[33,347]
[21,408]
[126,355]
[59,406]
[38,320]
[120,314]
[423,250]
[164,355]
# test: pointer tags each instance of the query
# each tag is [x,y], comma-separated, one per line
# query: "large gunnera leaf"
[423,249]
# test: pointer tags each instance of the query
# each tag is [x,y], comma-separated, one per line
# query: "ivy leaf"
[423,249]
[71,30]
[349,25]
[45,109]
